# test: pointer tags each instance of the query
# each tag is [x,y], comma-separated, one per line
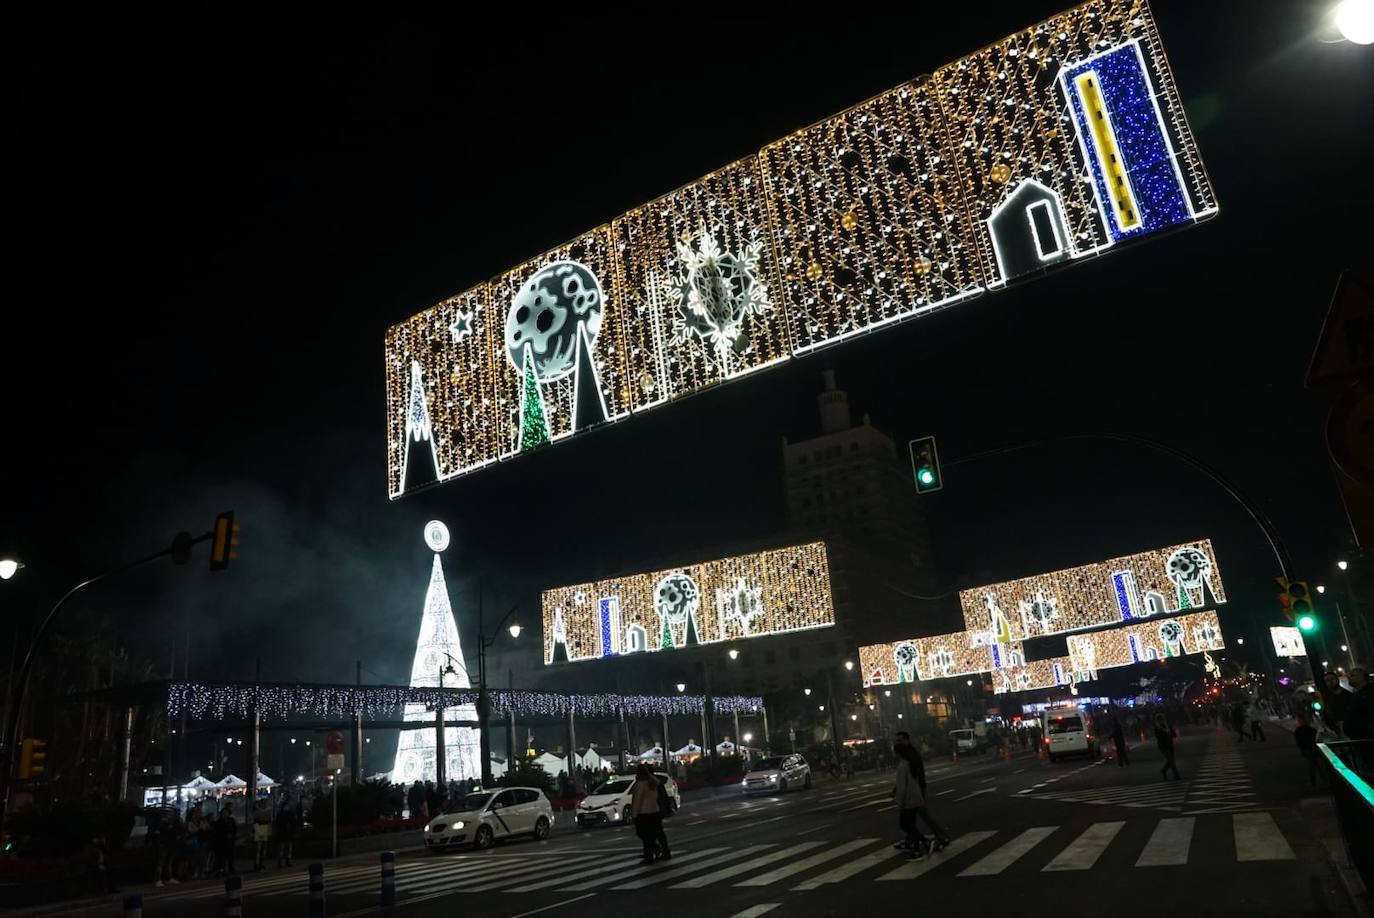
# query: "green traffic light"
[926,476]
[1316,706]
[1307,623]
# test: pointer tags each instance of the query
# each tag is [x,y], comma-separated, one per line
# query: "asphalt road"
[1076,837]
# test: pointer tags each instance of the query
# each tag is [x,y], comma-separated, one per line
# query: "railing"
[1350,766]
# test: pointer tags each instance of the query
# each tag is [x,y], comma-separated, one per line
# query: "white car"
[777,775]
[609,801]
[480,819]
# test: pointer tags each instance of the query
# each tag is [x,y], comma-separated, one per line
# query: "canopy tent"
[688,750]
[553,764]
[199,784]
[231,782]
[264,781]
[652,754]
[725,747]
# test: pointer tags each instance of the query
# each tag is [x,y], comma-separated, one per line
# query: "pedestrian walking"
[1255,716]
[1238,721]
[1335,701]
[226,837]
[262,833]
[1119,741]
[909,790]
[1359,713]
[284,828]
[647,804]
[1305,735]
[1164,736]
[415,800]
[96,859]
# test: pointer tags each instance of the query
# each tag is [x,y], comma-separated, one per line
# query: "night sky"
[214,221]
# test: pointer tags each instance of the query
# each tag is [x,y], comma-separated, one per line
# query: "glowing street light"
[1343,564]
[682,687]
[514,631]
[806,691]
[1240,640]
[849,664]
[1320,588]
[748,737]
[853,716]
[1355,21]
[9,567]
[734,654]
[1345,648]
[293,741]
[820,707]
[887,693]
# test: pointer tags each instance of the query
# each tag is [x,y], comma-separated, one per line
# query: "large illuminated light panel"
[771,592]
[1119,612]
[1055,143]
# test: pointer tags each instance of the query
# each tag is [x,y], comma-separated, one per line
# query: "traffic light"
[225,539]
[925,465]
[1296,600]
[33,758]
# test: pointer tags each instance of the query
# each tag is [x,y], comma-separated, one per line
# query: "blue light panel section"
[1135,648]
[605,608]
[1140,137]
[996,658]
[1123,596]
[1058,674]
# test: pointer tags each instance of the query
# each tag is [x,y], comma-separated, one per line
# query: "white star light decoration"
[742,603]
[461,326]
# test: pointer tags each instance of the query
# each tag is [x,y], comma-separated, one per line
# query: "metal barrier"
[1350,767]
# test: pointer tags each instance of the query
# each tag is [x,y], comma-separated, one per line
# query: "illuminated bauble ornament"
[923,266]
[814,271]
[436,535]
[646,382]
[676,597]
[849,221]
[546,313]
[1000,173]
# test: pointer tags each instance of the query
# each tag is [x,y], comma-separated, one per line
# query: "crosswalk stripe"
[752,911]
[1009,853]
[1169,843]
[787,870]
[863,804]
[564,874]
[845,871]
[913,869]
[1084,850]
[676,873]
[1258,838]
[635,871]
[473,872]
[747,866]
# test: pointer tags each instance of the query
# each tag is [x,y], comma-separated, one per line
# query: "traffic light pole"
[10,738]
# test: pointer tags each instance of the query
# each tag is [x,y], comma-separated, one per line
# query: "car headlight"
[772,777]
[615,814]
[426,828]
[744,783]
[457,825]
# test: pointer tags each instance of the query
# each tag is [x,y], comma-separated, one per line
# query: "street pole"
[667,761]
[125,747]
[440,755]
[483,737]
[708,712]
[767,743]
[624,738]
[510,722]
[572,751]
[737,739]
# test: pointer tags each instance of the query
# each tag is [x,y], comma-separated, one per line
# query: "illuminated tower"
[437,643]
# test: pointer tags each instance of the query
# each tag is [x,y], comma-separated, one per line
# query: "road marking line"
[941,794]
[845,871]
[1084,850]
[913,869]
[984,781]
[1169,843]
[1009,853]
[536,911]
[787,870]
[691,868]
[808,831]
[986,790]
[864,804]
[563,876]
[1258,838]
[884,809]
[632,871]
[737,869]
[754,911]
[1016,772]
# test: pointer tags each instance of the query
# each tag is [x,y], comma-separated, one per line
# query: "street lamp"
[820,707]
[1355,21]
[806,691]
[1320,588]
[9,567]
[734,654]
[293,741]
[748,737]
[1240,640]
[1343,564]
[514,631]
[849,664]
[681,687]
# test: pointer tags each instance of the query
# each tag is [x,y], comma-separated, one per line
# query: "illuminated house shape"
[1028,230]
[415,754]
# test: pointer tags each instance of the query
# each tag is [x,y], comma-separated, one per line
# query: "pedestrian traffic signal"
[33,758]
[225,540]
[925,465]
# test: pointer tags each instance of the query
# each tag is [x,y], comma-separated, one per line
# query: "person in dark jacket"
[1164,736]
[1305,735]
[1359,713]
[285,830]
[1119,740]
[226,837]
[1335,701]
[909,790]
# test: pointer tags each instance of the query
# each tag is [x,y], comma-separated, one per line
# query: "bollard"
[133,906]
[233,896]
[316,891]
[388,877]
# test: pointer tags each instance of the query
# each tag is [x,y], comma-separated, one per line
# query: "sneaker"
[902,846]
[940,844]
[158,884]
[915,855]
[173,882]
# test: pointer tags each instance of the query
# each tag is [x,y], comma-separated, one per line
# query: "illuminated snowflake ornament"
[741,603]
[1039,611]
[717,291]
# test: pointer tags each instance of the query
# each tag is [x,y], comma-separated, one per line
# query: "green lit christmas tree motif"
[534,426]
[665,641]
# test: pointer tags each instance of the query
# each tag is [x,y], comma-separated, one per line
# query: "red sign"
[334,743]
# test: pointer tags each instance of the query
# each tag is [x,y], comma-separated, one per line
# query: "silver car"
[778,775]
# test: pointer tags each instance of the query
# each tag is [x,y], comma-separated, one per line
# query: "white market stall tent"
[233,782]
[553,764]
